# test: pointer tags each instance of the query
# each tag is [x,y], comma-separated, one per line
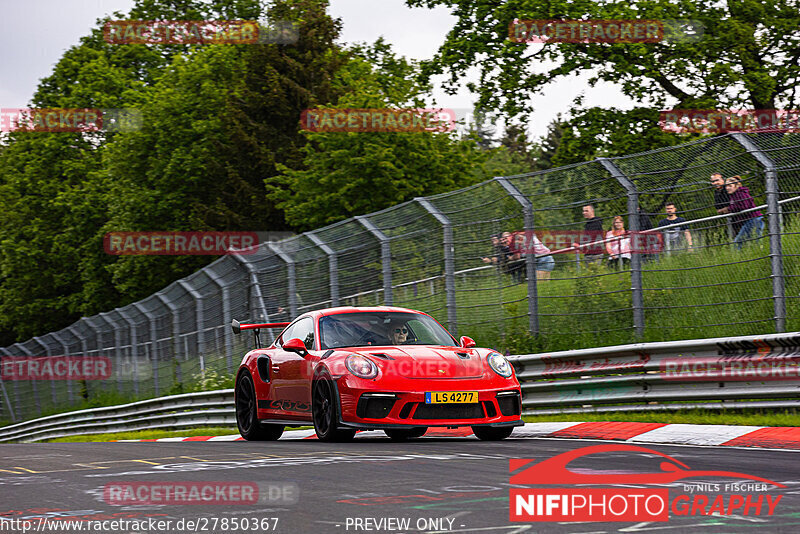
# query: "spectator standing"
[496,251]
[544,261]
[722,200]
[619,245]
[592,232]
[741,200]
[516,263]
[679,237]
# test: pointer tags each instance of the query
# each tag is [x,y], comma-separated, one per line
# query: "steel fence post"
[290,275]
[5,393]
[773,227]
[17,400]
[176,326]
[58,338]
[530,257]
[449,262]
[333,266]
[226,316]
[117,347]
[256,289]
[637,293]
[386,257]
[134,348]
[198,305]
[37,401]
[48,353]
[153,348]
[71,329]
[96,330]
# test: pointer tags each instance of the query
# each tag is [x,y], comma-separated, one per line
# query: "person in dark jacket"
[722,200]
[741,200]
[593,235]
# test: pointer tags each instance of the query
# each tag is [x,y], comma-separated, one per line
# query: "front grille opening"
[449,411]
[374,407]
[490,409]
[510,404]
[406,411]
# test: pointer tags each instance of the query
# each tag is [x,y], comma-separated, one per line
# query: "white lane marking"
[693,434]
[534,430]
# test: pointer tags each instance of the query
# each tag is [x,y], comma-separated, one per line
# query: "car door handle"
[275,369]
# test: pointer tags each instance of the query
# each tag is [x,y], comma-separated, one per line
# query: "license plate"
[451,397]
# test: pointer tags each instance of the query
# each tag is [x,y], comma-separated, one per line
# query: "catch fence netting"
[468,258]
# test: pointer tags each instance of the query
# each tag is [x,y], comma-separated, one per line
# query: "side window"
[287,334]
[303,330]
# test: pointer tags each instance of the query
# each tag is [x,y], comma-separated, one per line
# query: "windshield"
[381,328]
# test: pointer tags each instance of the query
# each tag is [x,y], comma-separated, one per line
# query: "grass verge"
[693,417]
[149,434]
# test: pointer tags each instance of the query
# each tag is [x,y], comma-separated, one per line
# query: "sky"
[35,33]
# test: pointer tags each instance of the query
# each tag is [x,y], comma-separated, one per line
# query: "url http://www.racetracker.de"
[201,524]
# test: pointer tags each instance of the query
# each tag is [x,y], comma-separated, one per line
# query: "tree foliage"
[347,174]
[746,57]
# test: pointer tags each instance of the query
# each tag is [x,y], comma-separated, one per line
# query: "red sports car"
[385,368]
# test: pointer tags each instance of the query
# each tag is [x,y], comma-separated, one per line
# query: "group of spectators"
[508,253]
[730,197]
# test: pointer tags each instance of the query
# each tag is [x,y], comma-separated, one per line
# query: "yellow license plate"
[451,397]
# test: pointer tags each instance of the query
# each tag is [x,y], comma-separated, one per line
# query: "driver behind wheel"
[398,333]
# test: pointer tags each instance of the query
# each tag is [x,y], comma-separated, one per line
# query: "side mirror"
[297,346]
[467,342]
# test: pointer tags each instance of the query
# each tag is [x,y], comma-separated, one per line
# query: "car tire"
[402,434]
[325,412]
[492,433]
[246,405]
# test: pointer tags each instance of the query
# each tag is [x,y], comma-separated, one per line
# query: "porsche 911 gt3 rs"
[387,368]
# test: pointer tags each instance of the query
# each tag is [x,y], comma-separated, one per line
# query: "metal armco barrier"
[207,408]
[637,377]
[676,375]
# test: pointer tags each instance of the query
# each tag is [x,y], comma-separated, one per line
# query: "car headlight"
[499,365]
[361,366]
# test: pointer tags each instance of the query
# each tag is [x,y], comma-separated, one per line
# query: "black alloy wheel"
[325,412]
[246,404]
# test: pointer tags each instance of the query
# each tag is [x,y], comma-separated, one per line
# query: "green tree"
[746,57]
[347,174]
[216,125]
[55,191]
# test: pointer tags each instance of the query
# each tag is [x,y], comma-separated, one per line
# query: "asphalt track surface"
[455,484]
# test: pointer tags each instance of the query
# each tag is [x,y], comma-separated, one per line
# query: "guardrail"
[676,375]
[207,408]
[731,372]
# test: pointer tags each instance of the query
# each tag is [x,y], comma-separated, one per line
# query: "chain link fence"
[448,255]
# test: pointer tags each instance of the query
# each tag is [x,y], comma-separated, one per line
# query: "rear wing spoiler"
[237,328]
